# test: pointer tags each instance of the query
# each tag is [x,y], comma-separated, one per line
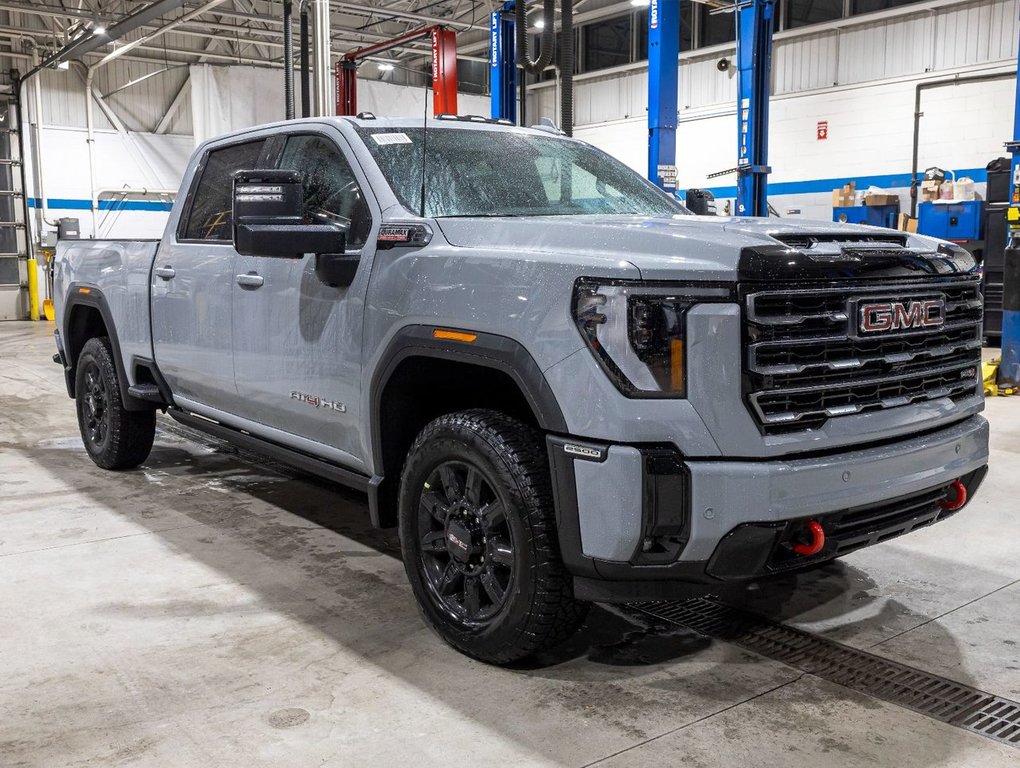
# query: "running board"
[282,454]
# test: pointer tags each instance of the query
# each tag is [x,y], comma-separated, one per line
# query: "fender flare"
[487,350]
[93,297]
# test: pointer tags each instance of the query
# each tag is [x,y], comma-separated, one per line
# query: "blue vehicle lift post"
[503,63]
[663,85]
[1009,364]
[755,23]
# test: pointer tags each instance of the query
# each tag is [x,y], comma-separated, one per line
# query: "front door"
[297,342]
[192,284]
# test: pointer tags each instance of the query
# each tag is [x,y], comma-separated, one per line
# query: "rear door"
[297,342]
[192,284]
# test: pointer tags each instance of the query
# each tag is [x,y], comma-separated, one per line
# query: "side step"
[284,455]
[148,392]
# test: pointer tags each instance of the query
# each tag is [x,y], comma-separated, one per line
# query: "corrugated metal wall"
[945,38]
[139,106]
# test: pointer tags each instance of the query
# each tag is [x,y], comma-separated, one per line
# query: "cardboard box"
[881,200]
[845,196]
[929,191]
[906,223]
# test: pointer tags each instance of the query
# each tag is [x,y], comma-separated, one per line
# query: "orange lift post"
[444,70]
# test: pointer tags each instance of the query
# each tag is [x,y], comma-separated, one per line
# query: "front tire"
[478,536]
[114,437]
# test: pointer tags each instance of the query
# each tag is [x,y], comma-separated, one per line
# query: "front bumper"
[640,522]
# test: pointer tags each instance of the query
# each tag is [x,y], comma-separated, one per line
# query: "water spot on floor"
[288,717]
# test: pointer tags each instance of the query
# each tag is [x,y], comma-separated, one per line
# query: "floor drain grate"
[937,697]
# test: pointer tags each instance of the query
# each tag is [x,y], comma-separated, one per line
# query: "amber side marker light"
[84,290]
[442,333]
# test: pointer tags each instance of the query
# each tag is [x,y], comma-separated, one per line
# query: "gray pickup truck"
[560,385]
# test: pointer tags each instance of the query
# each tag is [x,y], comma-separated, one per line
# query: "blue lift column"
[755,23]
[663,85]
[503,63]
[1009,364]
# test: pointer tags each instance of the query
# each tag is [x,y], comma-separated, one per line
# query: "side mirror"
[268,217]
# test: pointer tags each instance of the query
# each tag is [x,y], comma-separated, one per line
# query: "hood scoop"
[842,240]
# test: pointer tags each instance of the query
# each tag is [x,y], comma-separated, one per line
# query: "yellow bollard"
[33,290]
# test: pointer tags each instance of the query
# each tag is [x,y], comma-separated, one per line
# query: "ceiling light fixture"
[640,3]
[99,29]
[63,64]
[539,23]
[385,66]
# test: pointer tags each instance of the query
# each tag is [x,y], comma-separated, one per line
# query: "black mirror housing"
[336,269]
[268,217]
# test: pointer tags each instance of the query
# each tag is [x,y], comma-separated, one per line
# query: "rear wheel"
[478,535]
[115,438]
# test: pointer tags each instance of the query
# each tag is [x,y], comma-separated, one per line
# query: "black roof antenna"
[424,145]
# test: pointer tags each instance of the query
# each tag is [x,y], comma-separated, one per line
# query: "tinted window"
[331,191]
[509,173]
[211,207]
[801,12]
[607,43]
[717,28]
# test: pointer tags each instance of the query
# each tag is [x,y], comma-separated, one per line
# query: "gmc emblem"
[884,316]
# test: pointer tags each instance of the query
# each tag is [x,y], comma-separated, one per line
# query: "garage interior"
[215,607]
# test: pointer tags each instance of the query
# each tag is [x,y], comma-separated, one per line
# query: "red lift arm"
[444,70]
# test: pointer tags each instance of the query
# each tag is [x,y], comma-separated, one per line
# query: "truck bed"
[120,269]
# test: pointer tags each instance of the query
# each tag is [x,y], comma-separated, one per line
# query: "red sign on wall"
[822,130]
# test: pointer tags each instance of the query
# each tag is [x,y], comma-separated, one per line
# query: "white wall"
[225,99]
[870,131]
[857,75]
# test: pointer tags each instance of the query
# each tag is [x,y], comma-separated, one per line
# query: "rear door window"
[210,217]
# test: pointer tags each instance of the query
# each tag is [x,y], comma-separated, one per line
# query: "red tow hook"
[817,543]
[957,497]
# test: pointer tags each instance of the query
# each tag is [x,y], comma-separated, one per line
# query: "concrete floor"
[212,610]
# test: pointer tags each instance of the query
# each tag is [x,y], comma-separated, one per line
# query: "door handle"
[250,280]
[166,272]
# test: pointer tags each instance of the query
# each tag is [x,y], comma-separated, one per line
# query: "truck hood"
[699,247]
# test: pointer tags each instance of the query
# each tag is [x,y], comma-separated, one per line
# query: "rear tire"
[114,437]
[478,535]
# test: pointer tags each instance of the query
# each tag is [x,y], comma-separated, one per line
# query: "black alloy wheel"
[466,542]
[478,537]
[95,405]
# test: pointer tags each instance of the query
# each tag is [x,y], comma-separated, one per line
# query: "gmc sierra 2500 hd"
[560,384]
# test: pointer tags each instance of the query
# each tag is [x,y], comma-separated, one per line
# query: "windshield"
[509,173]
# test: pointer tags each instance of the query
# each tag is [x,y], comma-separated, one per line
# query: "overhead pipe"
[322,72]
[288,61]
[566,56]
[545,56]
[88,41]
[306,89]
[40,185]
[921,87]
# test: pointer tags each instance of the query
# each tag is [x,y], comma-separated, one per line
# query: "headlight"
[638,331]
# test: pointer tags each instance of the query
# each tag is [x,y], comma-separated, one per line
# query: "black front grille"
[806,362]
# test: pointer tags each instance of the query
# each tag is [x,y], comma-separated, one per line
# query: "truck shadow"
[306,547]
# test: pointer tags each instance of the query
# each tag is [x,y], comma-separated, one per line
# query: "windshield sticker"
[383,139]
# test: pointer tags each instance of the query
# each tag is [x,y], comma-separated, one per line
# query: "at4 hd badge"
[318,402]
